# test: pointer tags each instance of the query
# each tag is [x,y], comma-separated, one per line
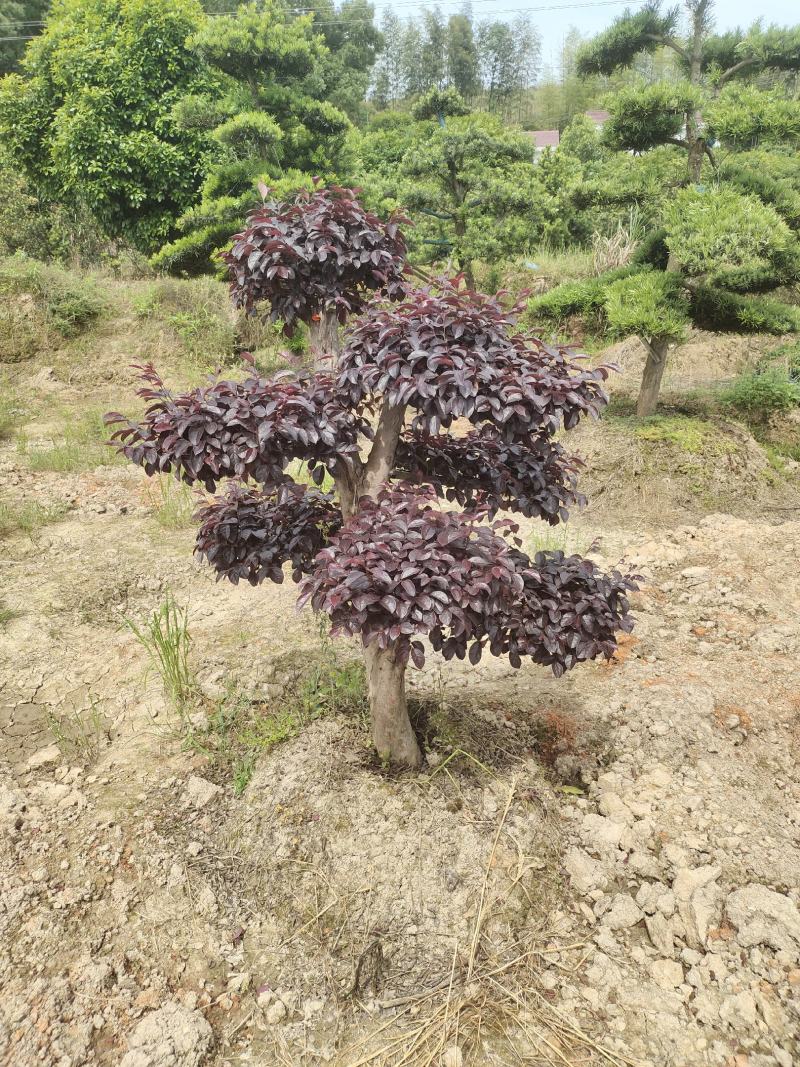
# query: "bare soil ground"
[603,869]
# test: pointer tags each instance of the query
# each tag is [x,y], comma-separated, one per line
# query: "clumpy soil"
[601,869]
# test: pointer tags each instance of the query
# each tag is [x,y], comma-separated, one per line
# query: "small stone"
[452,1057]
[623,913]
[597,829]
[764,917]
[44,758]
[687,881]
[170,1035]
[275,1013]
[667,974]
[585,873]
[739,1010]
[660,933]
[194,848]
[199,792]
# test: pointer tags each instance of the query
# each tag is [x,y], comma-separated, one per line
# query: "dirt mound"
[676,468]
[704,360]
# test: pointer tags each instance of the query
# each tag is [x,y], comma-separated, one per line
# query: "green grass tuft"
[82,446]
[165,636]
[28,517]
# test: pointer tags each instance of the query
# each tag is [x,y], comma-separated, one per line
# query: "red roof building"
[544,138]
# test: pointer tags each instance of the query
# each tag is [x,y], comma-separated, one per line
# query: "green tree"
[353,43]
[461,169]
[90,121]
[709,61]
[722,247]
[463,71]
[431,58]
[266,117]
[390,77]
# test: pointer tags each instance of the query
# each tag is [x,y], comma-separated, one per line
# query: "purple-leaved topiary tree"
[316,260]
[380,555]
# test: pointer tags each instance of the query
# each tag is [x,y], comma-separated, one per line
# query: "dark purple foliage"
[246,429]
[535,477]
[569,612]
[401,569]
[250,535]
[457,354]
[321,252]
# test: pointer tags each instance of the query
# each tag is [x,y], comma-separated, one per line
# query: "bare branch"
[732,71]
[667,42]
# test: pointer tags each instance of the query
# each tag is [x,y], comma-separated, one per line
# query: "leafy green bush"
[652,250]
[786,355]
[586,297]
[714,231]
[643,116]
[650,303]
[757,396]
[743,116]
[763,174]
[715,309]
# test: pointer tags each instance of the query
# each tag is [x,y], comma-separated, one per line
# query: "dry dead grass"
[490,1005]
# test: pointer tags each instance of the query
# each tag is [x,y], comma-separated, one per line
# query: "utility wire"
[392,7]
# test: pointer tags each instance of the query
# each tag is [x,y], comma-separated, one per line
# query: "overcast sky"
[553,18]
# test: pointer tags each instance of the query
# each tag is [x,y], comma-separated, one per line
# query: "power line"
[400,4]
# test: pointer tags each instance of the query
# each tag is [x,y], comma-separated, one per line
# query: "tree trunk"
[324,340]
[392,734]
[696,153]
[651,379]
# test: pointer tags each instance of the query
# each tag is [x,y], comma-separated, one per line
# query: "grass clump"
[28,517]
[785,357]
[198,312]
[756,397]
[7,615]
[10,414]
[80,734]
[694,436]
[174,504]
[40,301]
[165,637]
[81,447]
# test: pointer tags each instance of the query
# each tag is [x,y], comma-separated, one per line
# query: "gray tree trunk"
[392,733]
[651,379]
[324,340]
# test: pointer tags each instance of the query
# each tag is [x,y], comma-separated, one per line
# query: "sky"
[553,18]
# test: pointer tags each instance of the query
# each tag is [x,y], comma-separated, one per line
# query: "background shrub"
[758,396]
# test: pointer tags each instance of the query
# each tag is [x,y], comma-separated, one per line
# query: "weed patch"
[691,435]
[80,734]
[28,517]
[81,447]
[239,729]
[39,302]
[174,504]
[198,312]
[7,615]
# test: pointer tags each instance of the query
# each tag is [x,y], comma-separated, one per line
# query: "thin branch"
[731,71]
[710,155]
[677,141]
[667,42]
